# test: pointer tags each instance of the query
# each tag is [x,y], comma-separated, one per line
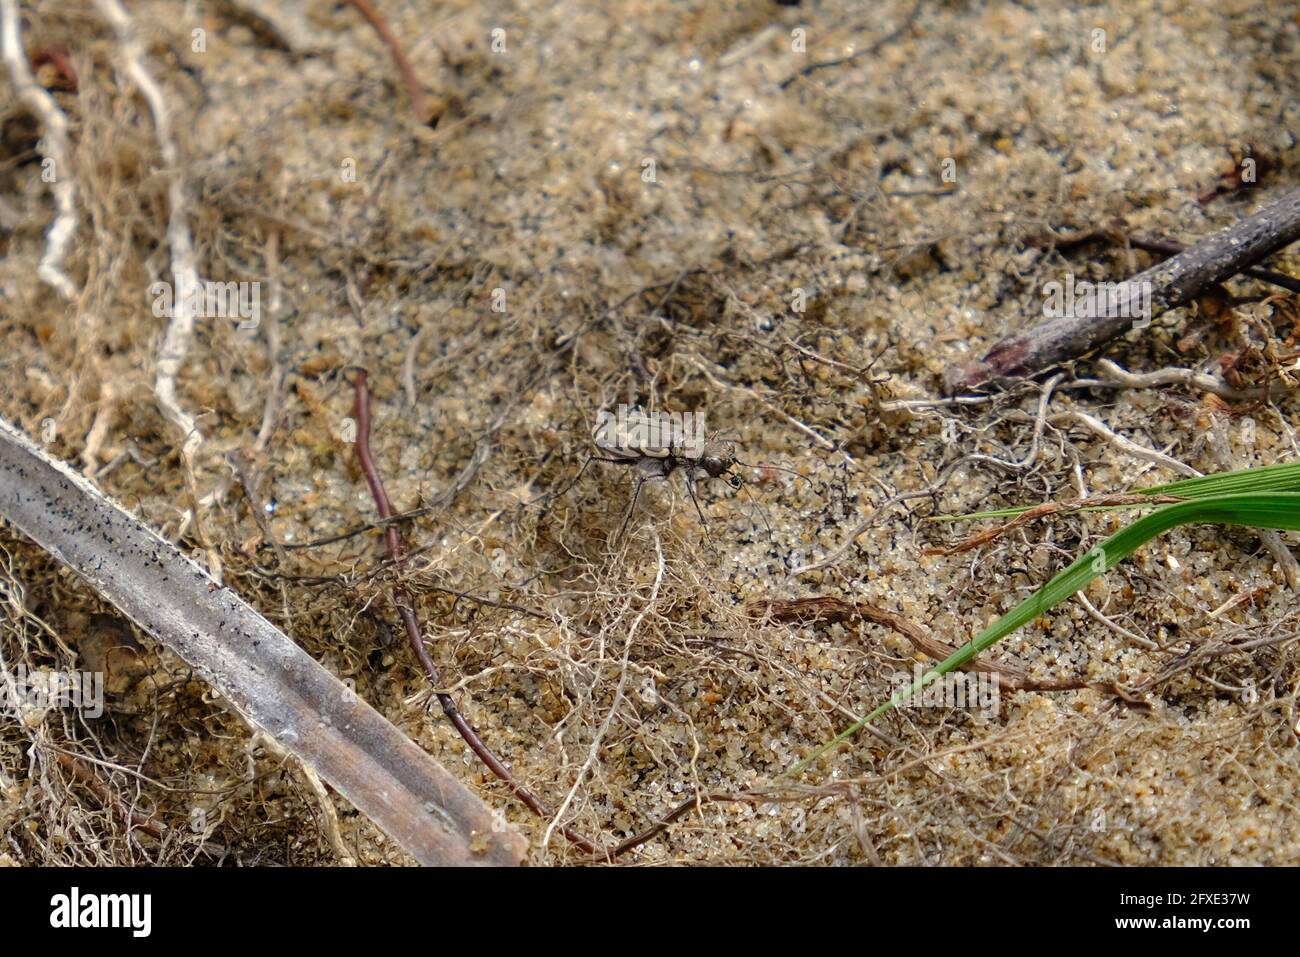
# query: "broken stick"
[1169,284]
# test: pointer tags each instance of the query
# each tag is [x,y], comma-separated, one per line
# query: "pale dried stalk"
[180,328]
[1112,371]
[329,816]
[55,149]
[271,682]
[180,331]
[1127,446]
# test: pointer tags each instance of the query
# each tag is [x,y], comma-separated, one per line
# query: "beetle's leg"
[690,488]
[590,458]
[762,513]
[636,494]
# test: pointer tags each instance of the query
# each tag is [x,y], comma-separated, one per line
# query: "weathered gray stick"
[1170,284]
[274,684]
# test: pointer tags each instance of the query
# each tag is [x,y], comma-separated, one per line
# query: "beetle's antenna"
[690,487]
[549,495]
[778,468]
[574,481]
[761,511]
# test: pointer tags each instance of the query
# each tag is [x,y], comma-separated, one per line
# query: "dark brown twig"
[419,102]
[1050,508]
[695,800]
[1169,247]
[406,610]
[829,609]
[1161,247]
[1171,283]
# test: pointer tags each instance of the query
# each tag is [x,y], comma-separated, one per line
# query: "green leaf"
[1260,509]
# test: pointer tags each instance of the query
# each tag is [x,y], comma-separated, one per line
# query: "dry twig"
[406,611]
[1050,508]
[180,328]
[1172,283]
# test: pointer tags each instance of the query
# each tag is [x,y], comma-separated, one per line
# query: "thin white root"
[54,147]
[99,428]
[1114,626]
[270,409]
[329,815]
[1114,372]
[840,550]
[1127,446]
[908,405]
[714,375]
[593,753]
[180,330]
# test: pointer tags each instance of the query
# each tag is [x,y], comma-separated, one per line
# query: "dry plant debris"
[793,219]
[1188,273]
[270,681]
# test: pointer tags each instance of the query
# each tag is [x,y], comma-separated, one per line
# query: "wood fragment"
[1173,283]
[1170,247]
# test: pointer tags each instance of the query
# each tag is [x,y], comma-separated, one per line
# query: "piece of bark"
[270,681]
[1173,283]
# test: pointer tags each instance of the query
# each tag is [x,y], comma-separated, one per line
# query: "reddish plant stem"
[662,825]
[393,541]
[106,798]
[419,102]
[406,610]
[1049,508]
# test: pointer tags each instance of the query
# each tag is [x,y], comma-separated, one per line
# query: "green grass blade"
[1282,477]
[1267,509]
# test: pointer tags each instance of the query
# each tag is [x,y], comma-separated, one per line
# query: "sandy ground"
[785,218]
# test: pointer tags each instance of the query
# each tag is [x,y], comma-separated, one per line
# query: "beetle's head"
[718,458]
